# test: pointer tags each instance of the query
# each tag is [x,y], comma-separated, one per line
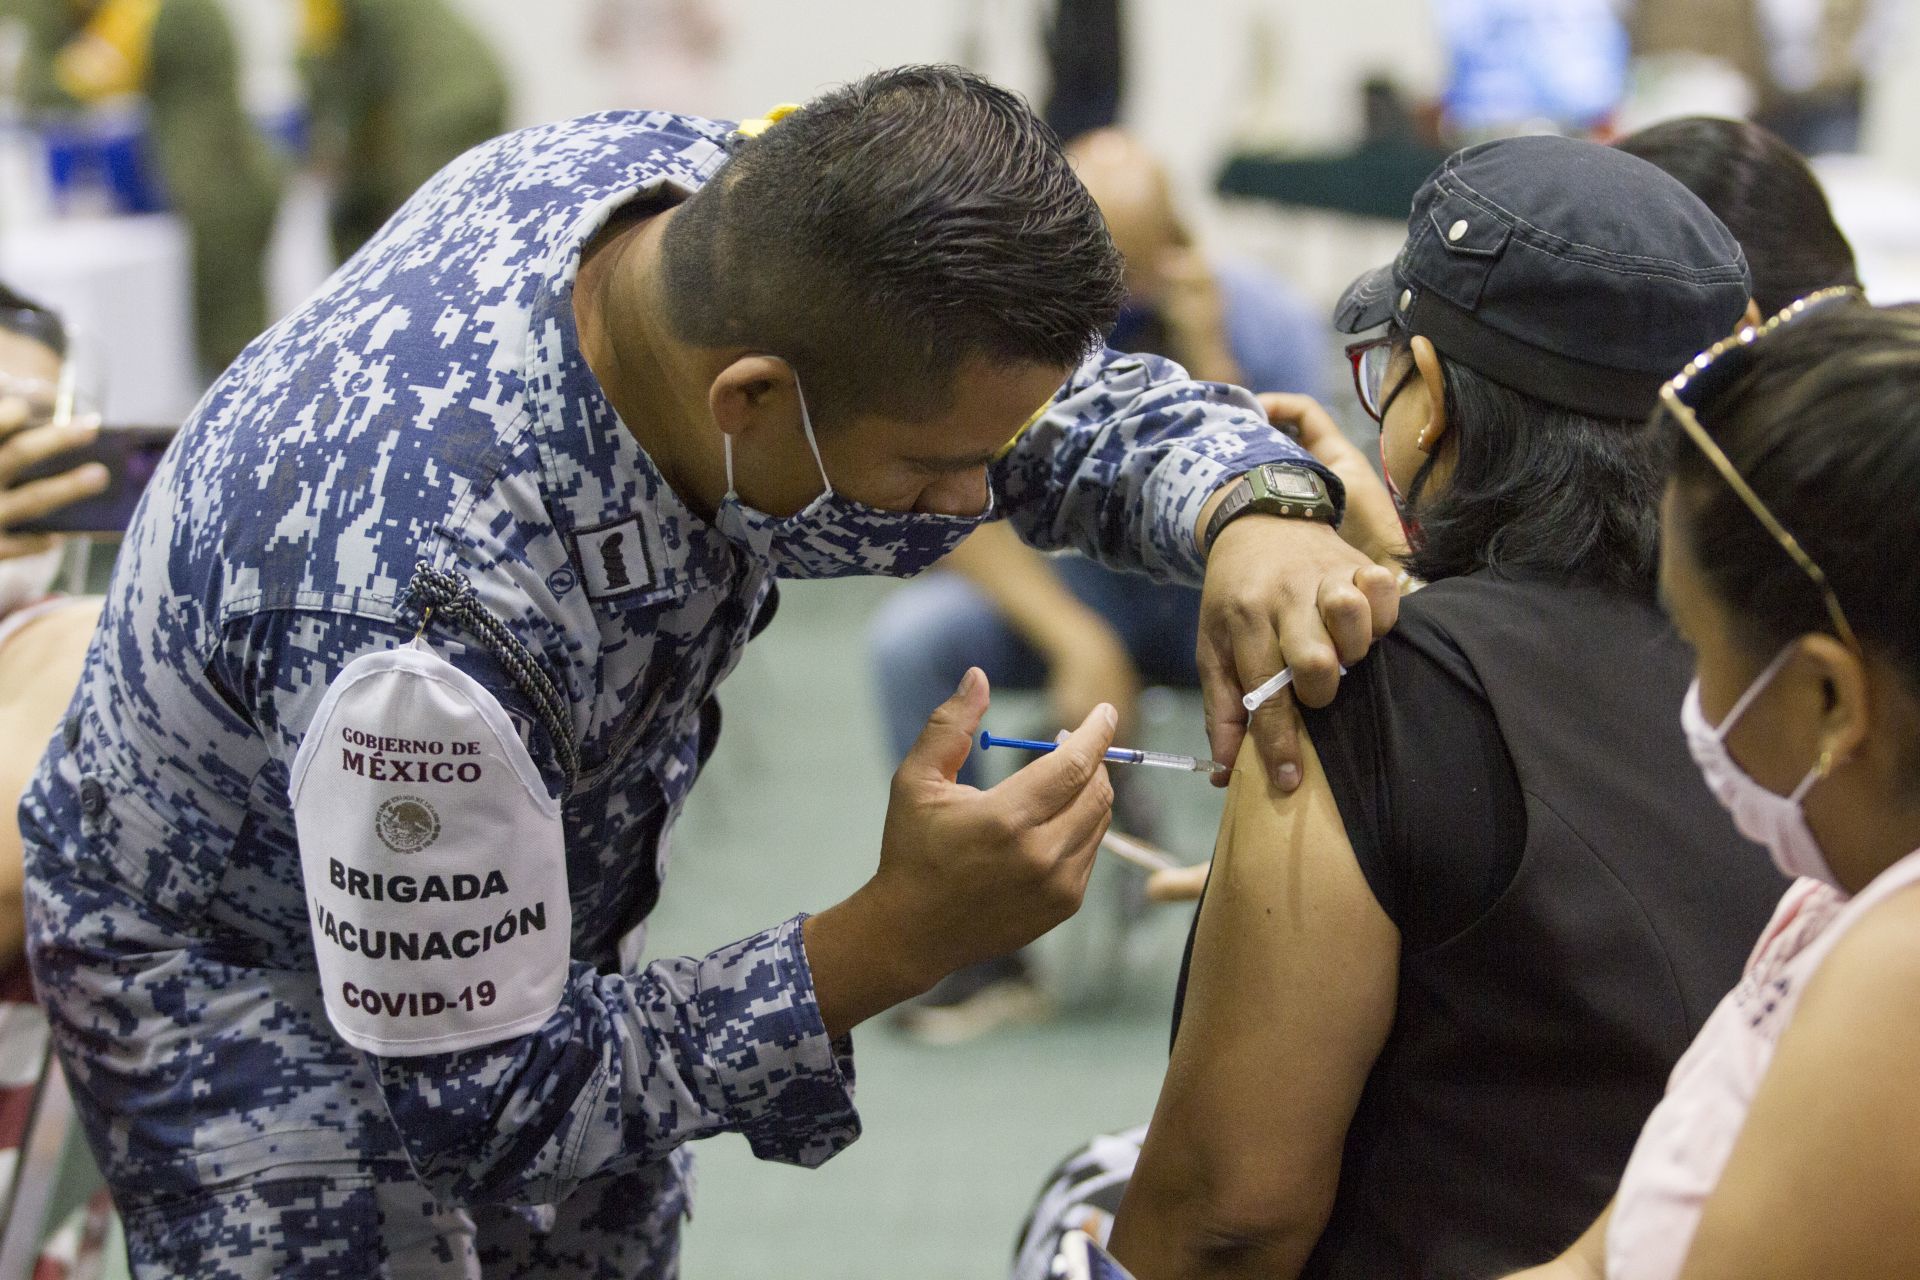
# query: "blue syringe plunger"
[1115,755]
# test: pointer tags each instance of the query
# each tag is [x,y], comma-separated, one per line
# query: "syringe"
[1116,755]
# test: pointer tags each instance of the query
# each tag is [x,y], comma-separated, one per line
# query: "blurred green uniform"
[221,177]
[398,88]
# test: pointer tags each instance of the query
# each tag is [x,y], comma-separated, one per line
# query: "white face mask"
[1776,821]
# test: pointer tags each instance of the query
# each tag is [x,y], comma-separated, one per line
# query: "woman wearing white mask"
[42,637]
[1788,1144]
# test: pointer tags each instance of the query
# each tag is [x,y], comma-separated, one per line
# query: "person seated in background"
[43,637]
[1788,1143]
[1086,633]
[1806,63]
[1765,193]
[212,167]
[1433,992]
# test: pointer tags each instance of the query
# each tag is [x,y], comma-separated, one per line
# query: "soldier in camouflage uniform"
[221,177]
[339,866]
[395,89]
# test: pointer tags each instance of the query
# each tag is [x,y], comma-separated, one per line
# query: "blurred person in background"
[1765,193]
[1525,65]
[1806,61]
[338,885]
[396,89]
[43,636]
[1085,43]
[662,51]
[1085,632]
[1788,1142]
[217,173]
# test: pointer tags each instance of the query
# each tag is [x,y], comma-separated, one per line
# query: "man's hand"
[1196,316]
[1279,593]
[23,444]
[1372,521]
[964,874]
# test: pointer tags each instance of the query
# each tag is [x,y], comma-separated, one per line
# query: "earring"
[1824,765]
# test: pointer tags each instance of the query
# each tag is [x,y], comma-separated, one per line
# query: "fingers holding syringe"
[1049,786]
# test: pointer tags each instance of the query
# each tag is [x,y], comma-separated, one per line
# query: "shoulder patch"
[614,558]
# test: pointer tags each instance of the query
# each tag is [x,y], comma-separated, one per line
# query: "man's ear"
[1434,381]
[753,390]
[1752,319]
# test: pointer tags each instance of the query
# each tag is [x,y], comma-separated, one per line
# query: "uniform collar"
[633,541]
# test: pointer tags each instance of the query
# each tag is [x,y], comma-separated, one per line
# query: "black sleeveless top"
[1546,989]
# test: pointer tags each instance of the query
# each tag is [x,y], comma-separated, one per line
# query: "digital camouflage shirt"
[425,432]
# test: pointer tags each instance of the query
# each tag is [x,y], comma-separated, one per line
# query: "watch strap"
[1236,501]
[1245,497]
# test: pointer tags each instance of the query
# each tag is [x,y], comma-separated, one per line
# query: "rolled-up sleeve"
[1119,466]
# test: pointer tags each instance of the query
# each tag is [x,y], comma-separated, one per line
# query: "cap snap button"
[93,797]
[1406,299]
[1457,230]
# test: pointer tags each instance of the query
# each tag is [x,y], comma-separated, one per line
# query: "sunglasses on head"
[1698,387]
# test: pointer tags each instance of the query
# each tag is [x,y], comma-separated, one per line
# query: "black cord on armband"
[438,594]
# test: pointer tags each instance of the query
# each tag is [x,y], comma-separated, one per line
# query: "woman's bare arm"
[1289,999]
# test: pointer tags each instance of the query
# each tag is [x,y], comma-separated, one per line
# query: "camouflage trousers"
[383,1223]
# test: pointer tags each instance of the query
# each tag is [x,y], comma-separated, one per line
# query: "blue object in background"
[1515,62]
[106,154]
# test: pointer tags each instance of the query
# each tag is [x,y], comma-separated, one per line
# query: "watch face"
[1292,484]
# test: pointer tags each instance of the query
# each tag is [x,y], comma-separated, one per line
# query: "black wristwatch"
[1274,489]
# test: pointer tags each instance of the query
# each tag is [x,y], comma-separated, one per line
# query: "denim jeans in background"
[930,631]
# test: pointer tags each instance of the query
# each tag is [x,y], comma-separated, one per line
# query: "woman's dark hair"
[1766,195]
[887,233]
[1537,489]
[1825,427]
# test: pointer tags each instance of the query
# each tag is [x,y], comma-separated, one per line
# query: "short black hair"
[22,315]
[1765,193]
[1825,427]
[1537,489]
[886,233]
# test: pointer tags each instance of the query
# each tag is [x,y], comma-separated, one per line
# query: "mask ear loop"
[806,429]
[1754,690]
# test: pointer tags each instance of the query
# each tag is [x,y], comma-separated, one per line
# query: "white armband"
[434,861]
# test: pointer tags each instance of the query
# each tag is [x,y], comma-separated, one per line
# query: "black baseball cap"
[1579,274]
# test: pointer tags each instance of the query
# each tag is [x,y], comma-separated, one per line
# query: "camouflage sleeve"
[1122,461]
[631,1064]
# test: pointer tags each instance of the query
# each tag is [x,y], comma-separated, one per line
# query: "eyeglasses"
[1707,377]
[1370,358]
